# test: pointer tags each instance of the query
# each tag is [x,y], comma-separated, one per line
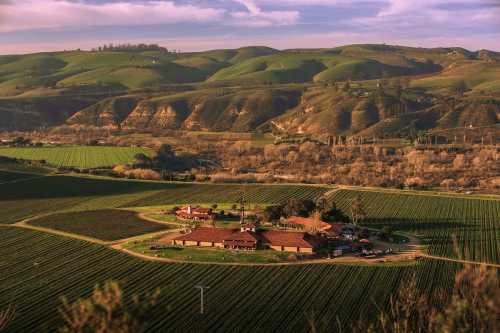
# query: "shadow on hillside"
[67,186]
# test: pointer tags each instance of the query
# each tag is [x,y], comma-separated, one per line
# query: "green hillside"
[253,87]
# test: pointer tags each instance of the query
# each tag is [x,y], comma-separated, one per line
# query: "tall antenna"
[242,207]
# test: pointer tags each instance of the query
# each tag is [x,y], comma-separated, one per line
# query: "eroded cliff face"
[141,116]
[234,111]
[108,113]
[315,111]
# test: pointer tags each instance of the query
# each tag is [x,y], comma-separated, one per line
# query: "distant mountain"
[251,88]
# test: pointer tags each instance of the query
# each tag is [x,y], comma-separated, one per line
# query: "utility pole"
[202,294]
[242,208]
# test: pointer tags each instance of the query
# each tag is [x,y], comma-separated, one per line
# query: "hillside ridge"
[360,88]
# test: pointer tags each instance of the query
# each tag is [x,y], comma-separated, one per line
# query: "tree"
[334,214]
[398,89]
[459,87]
[386,232]
[299,207]
[357,211]
[316,222]
[322,205]
[272,213]
[107,311]
[346,87]
[142,160]
[214,206]
[165,153]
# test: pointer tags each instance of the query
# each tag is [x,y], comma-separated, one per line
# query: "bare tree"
[6,316]
[107,311]
[357,210]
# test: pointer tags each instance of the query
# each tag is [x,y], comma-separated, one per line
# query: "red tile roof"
[242,236]
[201,234]
[270,237]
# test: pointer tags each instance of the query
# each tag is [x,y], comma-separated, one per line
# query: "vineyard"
[105,224]
[62,193]
[436,219]
[77,156]
[8,176]
[215,193]
[37,269]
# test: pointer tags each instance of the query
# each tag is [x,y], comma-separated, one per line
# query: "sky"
[28,26]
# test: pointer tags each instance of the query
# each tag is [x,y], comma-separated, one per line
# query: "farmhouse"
[291,241]
[202,236]
[195,213]
[249,240]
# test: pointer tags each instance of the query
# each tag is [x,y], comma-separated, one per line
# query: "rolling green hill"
[253,87]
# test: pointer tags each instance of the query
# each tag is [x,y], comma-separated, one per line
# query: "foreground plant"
[108,311]
[6,316]
[474,306]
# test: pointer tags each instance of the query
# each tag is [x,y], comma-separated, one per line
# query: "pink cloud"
[256,17]
[33,14]
[318,40]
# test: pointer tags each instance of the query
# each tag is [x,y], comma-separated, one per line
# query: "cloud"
[329,3]
[256,17]
[316,40]
[35,14]
[430,16]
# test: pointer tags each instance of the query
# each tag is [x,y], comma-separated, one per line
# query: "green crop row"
[62,193]
[474,223]
[104,224]
[77,156]
[37,269]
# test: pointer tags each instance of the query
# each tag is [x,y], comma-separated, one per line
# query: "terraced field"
[104,224]
[78,156]
[436,219]
[37,269]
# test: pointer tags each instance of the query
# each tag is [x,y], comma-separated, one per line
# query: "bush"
[108,310]
[146,174]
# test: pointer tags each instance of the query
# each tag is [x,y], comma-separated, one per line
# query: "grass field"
[78,156]
[208,254]
[436,219]
[105,224]
[37,269]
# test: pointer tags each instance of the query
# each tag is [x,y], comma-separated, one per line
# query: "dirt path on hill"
[460,261]
[24,224]
[143,216]
[454,195]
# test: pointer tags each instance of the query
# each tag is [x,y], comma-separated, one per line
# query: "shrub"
[107,310]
